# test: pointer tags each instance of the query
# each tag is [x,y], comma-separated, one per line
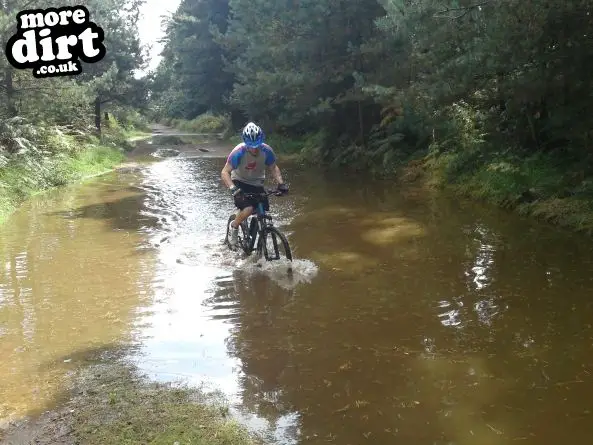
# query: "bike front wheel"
[274,245]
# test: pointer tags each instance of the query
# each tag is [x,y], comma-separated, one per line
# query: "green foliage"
[70,101]
[131,119]
[308,147]
[46,124]
[468,75]
[49,159]
[204,123]
[192,79]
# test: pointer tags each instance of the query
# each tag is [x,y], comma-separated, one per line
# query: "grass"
[128,410]
[23,178]
[550,187]
[64,159]
[206,123]
[112,404]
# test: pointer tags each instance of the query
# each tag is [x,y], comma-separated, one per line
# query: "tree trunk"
[532,128]
[361,123]
[238,120]
[10,106]
[98,114]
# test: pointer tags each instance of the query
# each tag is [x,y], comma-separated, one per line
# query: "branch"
[41,89]
[465,9]
[112,97]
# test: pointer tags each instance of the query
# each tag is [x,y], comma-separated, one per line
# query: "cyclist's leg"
[245,206]
[242,216]
[264,201]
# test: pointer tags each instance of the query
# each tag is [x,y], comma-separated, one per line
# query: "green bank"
[112,404]
[36,158]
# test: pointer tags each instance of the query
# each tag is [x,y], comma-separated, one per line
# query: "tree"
[191,79]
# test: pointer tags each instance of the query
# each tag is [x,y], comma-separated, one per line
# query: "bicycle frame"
[256,221]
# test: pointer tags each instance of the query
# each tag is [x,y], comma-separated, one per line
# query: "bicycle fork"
[264,235]
[276,250]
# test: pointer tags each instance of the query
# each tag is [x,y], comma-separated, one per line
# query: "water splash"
[191,224]
[286,274]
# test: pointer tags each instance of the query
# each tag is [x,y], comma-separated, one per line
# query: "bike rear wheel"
[274,245]
[243,234]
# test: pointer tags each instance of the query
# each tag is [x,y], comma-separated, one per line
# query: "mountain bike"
[258,229]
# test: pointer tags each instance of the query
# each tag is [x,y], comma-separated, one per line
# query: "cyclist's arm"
[275,173]
[272,166]
[225,175]
[232,162]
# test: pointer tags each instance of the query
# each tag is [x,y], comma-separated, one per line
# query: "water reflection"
[484,259]
[67,284]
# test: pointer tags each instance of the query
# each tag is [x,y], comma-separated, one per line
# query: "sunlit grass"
[113,405]
[128,410]
[26,177]
[205,123]
[546,186]
[136,135]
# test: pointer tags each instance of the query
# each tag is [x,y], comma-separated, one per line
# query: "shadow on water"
[97,354]
[123,213]
[472,357]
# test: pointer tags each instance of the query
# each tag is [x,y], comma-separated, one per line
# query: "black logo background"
[58,31]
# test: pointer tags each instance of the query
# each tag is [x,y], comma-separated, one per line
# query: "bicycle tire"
[244,242]
[275,233]
[242,238]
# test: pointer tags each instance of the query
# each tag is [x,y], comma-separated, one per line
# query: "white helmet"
[253,136]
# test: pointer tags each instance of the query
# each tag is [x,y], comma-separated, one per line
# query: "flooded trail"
[411,318]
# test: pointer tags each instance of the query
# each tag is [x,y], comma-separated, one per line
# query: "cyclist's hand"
[283,188]
[235,191]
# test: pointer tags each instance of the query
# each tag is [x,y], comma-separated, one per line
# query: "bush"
[33,159]
[133,120]
[205,123]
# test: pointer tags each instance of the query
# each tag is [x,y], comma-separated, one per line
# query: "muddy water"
[409,317]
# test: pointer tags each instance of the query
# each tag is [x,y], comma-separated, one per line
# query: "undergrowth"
[36,158]
[205,123]
[548,186]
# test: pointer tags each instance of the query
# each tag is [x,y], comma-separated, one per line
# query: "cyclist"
[245,172]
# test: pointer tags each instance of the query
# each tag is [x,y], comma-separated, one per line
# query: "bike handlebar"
[265,194]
